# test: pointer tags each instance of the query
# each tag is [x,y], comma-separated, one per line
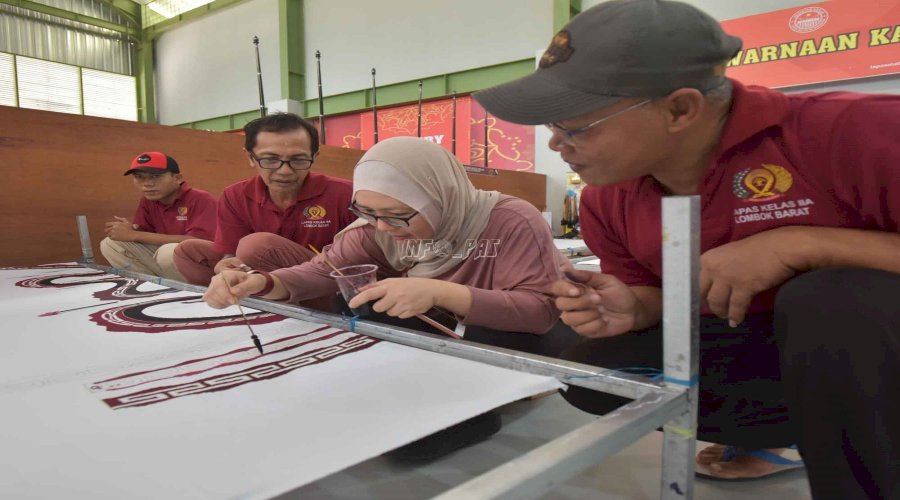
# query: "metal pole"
[487,149]
[321,103]
[374,107]
[541,470]
[262,100]
[419,126]
[453,132]
[87,254]
[681,334]
[591,377]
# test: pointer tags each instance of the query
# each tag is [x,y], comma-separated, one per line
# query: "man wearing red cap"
[800,214]
[169,212]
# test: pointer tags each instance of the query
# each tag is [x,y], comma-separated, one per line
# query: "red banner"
[511,146]
[820,42]
[437,124]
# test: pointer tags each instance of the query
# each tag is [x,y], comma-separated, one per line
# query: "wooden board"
[56,166]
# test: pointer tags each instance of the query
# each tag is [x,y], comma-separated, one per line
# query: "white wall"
[207,67]
[410,39]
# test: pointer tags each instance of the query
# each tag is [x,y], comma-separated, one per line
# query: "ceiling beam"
[133,32]
[128,9]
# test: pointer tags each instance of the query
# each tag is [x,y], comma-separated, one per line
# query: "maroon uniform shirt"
[320,212]
[811,159]
[193,213]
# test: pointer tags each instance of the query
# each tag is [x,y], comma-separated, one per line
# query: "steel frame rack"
[670,403]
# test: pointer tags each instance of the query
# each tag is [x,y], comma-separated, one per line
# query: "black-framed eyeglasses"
[274,163]
[390,220]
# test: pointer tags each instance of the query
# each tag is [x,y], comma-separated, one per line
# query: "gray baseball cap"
[617,49]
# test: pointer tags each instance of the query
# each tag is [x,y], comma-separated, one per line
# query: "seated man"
[267,222]
[169,212]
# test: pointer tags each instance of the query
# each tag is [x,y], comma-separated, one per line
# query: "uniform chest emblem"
[183,211]
[760,184]
[314,212]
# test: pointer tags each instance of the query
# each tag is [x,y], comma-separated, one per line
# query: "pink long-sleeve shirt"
[509,273]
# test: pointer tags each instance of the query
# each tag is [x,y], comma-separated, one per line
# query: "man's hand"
[121,230]
[400,297]
[596,305]
[232,263]
[732,274]
[227,288]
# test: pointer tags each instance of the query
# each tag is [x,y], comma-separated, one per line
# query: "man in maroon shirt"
[800,265]
[169,212]
[268,221]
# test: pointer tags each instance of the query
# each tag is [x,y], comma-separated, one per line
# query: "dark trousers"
[823,373]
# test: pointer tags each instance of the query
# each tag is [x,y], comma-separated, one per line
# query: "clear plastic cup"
[350,279]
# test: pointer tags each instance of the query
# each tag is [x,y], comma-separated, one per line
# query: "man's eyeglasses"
[274,163]
[568,136]
[392,220]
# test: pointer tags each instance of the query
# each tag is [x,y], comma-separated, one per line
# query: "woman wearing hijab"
[487,258]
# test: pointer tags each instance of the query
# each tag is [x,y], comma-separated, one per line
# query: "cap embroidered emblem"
[558,51]
[760,184]
[143,159]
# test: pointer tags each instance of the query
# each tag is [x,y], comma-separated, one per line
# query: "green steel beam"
[155,31]
[433,86]
[146,92]
[564,11]
[224,123]
[132,32]
[291,41]
[574,7]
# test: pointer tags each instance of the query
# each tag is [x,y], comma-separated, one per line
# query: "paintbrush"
[54,313]
[253,336]
[422,317]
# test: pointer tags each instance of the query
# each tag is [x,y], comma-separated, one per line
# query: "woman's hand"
[402,297]
[230,263]
[228,287]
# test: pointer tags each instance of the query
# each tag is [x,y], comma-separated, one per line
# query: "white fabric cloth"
[162,397]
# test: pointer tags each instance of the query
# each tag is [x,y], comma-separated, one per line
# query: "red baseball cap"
[154,162]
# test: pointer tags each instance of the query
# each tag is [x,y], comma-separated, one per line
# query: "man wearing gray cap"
[799,267]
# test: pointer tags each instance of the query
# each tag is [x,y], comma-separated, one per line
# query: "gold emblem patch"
[558,51]
[314,212]
[768,182]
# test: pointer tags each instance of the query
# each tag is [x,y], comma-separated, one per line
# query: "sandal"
[777,464]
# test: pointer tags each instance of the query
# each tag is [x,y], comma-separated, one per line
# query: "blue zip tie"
[680,381]
[353,324]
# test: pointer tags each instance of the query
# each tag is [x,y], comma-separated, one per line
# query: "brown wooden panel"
[56,166]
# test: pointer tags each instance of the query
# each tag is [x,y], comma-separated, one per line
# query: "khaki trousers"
[142,258]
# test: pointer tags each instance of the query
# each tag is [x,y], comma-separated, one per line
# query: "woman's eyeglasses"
[390,220]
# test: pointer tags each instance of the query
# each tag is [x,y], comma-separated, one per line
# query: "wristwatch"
[270,283]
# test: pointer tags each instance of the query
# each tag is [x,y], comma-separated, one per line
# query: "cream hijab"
[429,179]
